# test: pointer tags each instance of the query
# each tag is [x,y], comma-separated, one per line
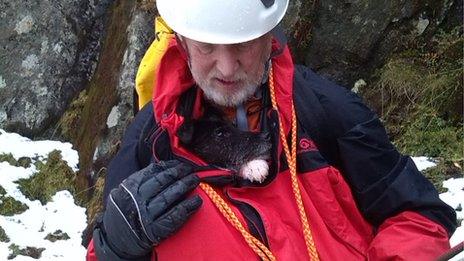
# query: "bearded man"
[337,189]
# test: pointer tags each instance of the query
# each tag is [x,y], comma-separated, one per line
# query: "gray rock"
[47,54]
[346,32]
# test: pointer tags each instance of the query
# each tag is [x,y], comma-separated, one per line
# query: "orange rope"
[259,248]
[291,160]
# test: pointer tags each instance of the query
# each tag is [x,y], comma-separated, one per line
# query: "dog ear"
[185,132]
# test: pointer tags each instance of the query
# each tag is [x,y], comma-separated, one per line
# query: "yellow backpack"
[146,73]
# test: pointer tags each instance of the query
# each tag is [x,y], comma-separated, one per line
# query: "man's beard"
[227,98]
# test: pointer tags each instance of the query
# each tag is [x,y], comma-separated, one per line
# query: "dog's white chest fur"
[255,170]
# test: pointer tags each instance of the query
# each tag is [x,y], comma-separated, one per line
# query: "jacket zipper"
[255,226]
[155,136]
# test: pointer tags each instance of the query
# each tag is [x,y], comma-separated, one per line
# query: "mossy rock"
[57,235]
[420,103]
[10,206]
[54,175]
[3,236]
[24,162]
[70,120]
[421,91]
[8,158]
[33,252]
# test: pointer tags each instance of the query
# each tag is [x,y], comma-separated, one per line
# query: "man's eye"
[205,48]
[245,45]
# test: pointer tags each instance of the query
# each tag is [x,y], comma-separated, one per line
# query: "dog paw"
[255,170]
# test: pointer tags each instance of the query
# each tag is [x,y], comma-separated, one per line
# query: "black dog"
[220,143]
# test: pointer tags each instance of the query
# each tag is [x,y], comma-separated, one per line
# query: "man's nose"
[227,61]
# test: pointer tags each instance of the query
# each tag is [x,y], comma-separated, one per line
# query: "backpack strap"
[147,72]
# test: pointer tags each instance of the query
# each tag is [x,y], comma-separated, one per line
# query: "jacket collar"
[174,78]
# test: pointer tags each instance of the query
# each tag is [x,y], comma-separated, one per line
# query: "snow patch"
[32,226]
[423,163]
[20,146]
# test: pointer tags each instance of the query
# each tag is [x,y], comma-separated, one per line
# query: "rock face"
[48,50]
[139,35]
[346,40]
[346,33]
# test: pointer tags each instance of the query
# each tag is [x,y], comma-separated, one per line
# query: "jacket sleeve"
[91,256]
[408,236]
[389,190]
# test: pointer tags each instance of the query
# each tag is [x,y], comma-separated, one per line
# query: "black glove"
[146,208]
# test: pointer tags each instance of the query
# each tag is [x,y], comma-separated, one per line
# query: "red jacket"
[269,211]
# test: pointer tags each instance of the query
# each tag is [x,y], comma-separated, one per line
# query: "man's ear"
[185,132]
[182,47]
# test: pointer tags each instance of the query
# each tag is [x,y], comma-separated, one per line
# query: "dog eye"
[218,132]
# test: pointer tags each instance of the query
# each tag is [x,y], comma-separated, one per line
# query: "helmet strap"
[279,35]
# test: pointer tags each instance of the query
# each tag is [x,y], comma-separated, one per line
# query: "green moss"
[57,235]
[24,162]
[70,120]
[3,236]
[427,134]
[33,252]
[10,206]
[419,95]
[421,92]
[8,158]
[14,251]
[52,176]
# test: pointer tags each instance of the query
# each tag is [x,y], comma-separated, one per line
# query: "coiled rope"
[257,246]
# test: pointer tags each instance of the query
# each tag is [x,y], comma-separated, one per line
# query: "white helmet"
[221,21]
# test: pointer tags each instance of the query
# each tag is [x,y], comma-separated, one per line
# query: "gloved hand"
[146,208]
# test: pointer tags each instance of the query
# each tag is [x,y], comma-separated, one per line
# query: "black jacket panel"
[352,138]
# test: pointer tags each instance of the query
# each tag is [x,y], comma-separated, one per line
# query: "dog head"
[220,143]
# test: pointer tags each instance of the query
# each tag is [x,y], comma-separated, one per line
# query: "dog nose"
[266,136]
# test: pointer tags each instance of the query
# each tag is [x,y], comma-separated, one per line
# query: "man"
[336,189]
